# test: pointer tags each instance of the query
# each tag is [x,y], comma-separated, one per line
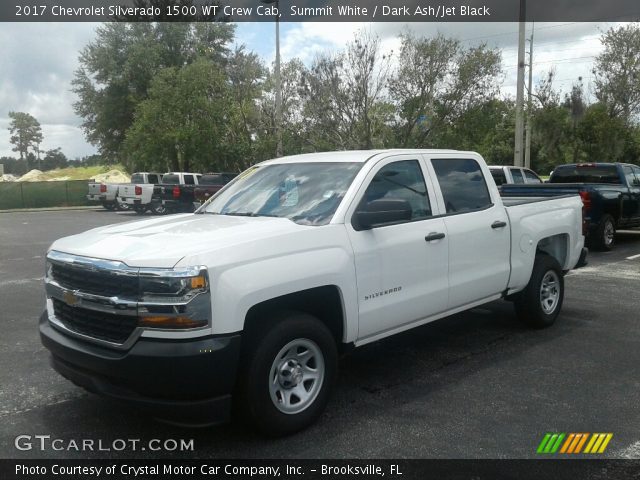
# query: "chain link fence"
[68,193]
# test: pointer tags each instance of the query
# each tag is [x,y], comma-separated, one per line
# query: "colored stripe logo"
[571,443]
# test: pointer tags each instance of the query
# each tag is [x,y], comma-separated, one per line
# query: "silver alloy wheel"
[550,292]
[609,233]
[296,376]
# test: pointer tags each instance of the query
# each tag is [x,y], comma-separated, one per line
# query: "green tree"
[342,96]
[116,70]
[187,123]
[25,133]
[54,158]
[436,81]
[617,72]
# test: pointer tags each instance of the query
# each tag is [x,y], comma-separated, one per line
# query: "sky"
[37,61]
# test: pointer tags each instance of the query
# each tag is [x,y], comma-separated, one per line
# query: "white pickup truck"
[252,297]
[137,195]
[106,194]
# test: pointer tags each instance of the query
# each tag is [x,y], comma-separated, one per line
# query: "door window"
[402,180]
[631,178]
[462,184]
[188,180]
[516,173]
[498,176]
[531,177]
[636,170]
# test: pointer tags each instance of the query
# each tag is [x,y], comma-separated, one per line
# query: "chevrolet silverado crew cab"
[251,297]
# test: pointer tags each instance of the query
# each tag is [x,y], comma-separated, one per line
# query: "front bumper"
[187,381]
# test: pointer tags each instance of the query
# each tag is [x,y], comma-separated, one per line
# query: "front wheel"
[159,209]
[539,304]
[287,374]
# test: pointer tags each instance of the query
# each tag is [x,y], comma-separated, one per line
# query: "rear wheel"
[159,209]
[109,206]
[287,374]
[605,233]
[123,206]
[539,304]
[139,209]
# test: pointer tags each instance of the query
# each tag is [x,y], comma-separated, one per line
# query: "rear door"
[402,275]
[632,210]
[477,229]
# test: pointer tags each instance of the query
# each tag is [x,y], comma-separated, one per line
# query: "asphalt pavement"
[476,385]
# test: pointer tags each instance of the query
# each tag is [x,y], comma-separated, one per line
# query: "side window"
[636,170]
[531,177]
[188,180]
[153,178]
[631,178]
[516,173]
[402,180]
[498,176]
[462,184]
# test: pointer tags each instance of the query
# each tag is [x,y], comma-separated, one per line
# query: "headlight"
[171,300]
[172,286]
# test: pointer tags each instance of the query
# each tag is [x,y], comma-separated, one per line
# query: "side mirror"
[381,212]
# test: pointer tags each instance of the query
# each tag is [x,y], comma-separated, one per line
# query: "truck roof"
[354,155]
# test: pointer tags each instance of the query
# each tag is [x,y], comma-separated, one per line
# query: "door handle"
[498,224]
[434,236]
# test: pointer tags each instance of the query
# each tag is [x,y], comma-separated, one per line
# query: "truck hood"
[163,242]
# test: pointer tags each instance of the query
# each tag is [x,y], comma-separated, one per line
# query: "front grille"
[103,326]
[101,282]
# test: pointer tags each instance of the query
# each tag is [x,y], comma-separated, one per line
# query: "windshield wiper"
[248,214]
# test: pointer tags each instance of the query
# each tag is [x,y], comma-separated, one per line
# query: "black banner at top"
[319,10]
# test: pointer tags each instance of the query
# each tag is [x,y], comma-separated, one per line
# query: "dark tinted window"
[630,176]
[531,177]
[498,176]
[137,178]
[153,178]
[171,179]
[585,174]
[462,184]
[636,170]
[401,180]
[212,180]
[516,173]
[188,180]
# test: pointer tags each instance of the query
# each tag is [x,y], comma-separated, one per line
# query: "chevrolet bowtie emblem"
[70,298]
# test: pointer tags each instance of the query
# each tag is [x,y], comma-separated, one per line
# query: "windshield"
[586,174]
[306,193]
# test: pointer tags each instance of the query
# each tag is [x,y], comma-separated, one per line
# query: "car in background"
[106,194]
[175,193]
[507,174]
[610,195]
[210,184]
[137,195]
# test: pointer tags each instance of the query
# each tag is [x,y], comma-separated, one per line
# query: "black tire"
[124,207]
[263,367]
[139,210]
[605,234]
[159,209]
[109,206]
[536,306]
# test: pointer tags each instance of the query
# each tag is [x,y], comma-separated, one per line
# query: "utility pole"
[278,79]
[518,144]
[527,150]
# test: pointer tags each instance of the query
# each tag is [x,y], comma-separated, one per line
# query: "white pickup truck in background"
[106,194]
[251,298]
[137,195]
[507,174]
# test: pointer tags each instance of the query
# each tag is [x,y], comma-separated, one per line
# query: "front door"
[401,269]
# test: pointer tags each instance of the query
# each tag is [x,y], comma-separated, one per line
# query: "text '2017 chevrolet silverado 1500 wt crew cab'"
[252,297]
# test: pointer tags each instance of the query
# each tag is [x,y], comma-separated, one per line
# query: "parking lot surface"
[476,385]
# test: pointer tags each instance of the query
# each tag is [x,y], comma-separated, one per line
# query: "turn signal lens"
[198,282]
